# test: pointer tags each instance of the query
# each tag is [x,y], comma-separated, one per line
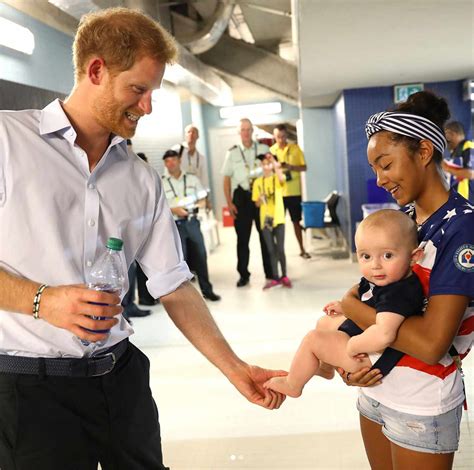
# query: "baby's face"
[383,256]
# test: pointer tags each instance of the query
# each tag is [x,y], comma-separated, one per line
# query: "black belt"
[185,219]
[84,367]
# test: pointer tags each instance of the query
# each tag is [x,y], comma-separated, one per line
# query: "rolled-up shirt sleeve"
[161,256]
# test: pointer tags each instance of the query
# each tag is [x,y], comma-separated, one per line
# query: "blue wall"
[359,105]
[50,66]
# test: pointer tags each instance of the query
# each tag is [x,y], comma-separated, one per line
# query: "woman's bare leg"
[406,459]
[377,446]
[385,455]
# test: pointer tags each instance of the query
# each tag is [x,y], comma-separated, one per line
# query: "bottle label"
[103,288]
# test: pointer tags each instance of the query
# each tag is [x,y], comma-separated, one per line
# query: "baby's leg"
[305,364]
[331,348]
[326,346]
[328,323]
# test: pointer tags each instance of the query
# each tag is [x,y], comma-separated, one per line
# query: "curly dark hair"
[429,106]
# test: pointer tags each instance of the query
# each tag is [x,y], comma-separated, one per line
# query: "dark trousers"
[136,277]
[59,423]
[248,214]
[275,241]
[129,297]
[143,294]
[194,249]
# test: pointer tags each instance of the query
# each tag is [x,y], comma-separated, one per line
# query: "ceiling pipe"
[215,26]
[191,73]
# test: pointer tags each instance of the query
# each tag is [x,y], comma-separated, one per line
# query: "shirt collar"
[252,146]
[181,176]
[54,119]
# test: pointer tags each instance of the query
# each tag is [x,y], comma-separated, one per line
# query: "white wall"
[163,128]
[50,65]
[318,143]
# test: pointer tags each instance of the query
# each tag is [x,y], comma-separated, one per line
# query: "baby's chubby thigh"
[330,322]
[330,347]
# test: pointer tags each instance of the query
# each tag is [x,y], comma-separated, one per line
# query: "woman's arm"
[427,337]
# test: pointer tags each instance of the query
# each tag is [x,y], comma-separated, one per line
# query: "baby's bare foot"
[280,384]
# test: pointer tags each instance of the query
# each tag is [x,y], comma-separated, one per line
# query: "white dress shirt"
[195,164]
[56,216]
[240,161]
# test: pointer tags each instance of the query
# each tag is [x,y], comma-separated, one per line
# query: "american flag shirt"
[447,268]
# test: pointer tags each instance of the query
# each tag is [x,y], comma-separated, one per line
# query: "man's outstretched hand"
[249,380]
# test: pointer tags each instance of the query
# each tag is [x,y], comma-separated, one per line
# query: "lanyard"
[197,160]
[172,187]
[243,156]
[269,195]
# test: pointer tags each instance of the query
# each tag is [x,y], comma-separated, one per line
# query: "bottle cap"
[114,244]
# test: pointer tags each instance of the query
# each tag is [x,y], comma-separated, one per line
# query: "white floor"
[206,424]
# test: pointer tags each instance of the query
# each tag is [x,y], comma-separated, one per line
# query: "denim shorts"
[431,434]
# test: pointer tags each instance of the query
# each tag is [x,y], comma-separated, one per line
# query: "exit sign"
[402,92]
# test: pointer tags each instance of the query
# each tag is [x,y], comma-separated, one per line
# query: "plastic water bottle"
[189,202]
[256,172]
[107,275]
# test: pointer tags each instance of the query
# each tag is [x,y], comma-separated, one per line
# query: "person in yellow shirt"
[267,193]
[292,161]
[459,164]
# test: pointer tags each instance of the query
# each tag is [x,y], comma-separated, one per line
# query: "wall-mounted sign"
[402,92]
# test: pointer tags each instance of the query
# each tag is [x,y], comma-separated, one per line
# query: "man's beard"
[109,115]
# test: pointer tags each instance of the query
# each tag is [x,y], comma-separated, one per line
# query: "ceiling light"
[16,37]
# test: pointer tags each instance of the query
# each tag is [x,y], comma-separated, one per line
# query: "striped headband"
[410,125]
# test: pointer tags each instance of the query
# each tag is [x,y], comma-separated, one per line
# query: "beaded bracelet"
[37,300]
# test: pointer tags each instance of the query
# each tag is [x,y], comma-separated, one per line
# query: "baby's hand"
[333,308]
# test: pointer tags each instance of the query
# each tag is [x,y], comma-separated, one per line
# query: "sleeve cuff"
[166,282]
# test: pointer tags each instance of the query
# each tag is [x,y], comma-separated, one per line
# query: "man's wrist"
[233,367]
[37,301]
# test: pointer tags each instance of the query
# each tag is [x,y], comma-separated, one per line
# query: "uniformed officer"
[185,193]
[193,162]
[239,166]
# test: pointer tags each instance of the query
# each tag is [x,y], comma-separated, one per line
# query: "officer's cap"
[170,153]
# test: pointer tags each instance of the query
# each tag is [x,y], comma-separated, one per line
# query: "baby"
[386,244]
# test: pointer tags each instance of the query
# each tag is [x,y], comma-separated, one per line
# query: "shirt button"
[89,264]
[91,222]
[91,186]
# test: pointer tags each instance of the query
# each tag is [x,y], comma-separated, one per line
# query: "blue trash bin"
[313,213]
